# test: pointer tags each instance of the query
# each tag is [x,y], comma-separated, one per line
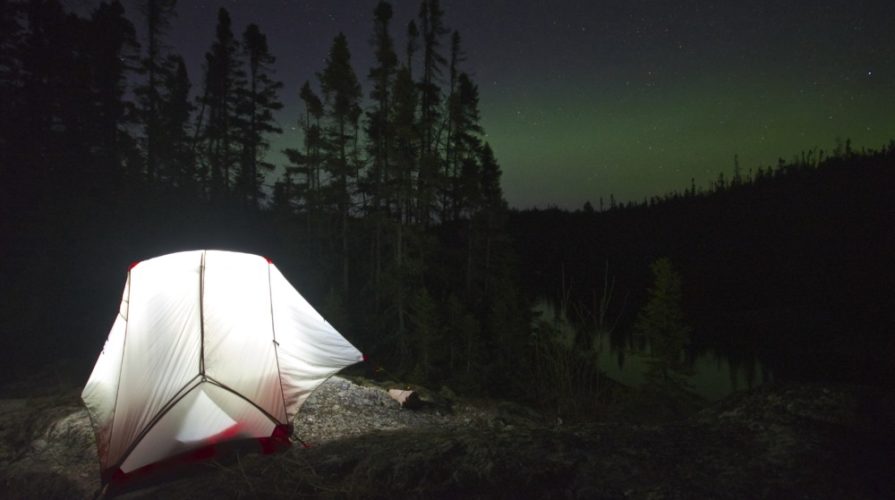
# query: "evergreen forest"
[389,217]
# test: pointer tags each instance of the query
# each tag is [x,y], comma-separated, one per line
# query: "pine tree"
[379,132]
[158,15]
[378,129]
[177,160]
[492,193]
[224,88]
[451,185]
[341,92]
[487,224]
[465,149]
[431,19]
[52,91]
[300,184]
[661,323]
[283,196]
[112,52]
[403,167]
[259,102]
[311,165]
[413,41]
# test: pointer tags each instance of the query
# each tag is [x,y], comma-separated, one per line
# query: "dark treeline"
[389,216]
[787,264]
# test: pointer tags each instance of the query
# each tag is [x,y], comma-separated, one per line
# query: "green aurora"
[566,145]
[583,100]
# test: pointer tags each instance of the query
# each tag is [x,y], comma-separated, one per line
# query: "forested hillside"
[790,264]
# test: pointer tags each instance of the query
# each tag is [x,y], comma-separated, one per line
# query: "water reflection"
[716,374]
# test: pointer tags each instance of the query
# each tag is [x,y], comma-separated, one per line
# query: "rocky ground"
[792,441]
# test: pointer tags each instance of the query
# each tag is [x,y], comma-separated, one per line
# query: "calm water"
[715,375]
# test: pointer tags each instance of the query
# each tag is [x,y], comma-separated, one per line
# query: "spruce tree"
[341,92]
[300,184]
[486,224]
[224,89]
[260,100]
[51,90]
[413,41]
[491,192]
[661,323]
[403,166]
[176,160]
[464,149]
[451,187]
[379,133]
[112,52]
[312,162]
[158,15]
[431,18]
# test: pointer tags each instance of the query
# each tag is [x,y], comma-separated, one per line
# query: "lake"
[715,374]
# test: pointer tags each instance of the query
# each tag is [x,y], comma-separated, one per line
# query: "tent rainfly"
[208,347]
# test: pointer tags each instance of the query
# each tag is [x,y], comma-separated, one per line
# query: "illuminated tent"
[208,347]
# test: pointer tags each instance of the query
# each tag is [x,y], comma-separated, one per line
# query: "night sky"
[583,99]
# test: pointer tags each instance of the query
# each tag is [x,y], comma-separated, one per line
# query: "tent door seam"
[164,411]
[227,388]
[276,345]
[202,316]
[120,369]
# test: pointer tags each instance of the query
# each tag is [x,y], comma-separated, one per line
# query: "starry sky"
[581,99]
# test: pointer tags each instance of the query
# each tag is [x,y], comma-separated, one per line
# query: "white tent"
[208,346]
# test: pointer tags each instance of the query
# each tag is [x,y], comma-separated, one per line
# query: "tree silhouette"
[158,15]
[224,88]
[413,41]
[305,196]
[259,103]
[313,139]
[464,173]
[431,18]
[341,92]
[403,166]
[112,49]
[378,128]
[177,158]
[380,134]
[406,199]
[661,323]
